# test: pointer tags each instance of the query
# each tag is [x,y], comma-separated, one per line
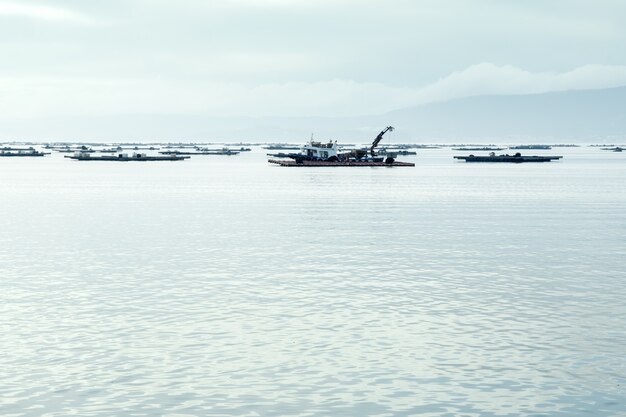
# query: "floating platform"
[486,148]
[517,158]
[126,158]
[22,153]
[291,163]
[120,149]
[9,148]
[396,152]
[75,150]
[216,152]
[535,147]
[283,155]
[285,147]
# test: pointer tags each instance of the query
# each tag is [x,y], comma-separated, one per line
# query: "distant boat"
[517,158]
[615,149]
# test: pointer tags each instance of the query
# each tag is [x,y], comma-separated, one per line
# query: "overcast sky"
[297,57]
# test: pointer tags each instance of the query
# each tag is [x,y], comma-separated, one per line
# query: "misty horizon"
[75,63]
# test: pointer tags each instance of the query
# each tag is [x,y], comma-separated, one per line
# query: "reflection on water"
[224,286]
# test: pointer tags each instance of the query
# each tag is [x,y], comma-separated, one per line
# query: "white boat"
[315,153]
[317,150]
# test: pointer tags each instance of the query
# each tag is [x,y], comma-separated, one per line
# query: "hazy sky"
[297,57]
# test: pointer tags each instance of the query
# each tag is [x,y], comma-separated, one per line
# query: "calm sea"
[223,286]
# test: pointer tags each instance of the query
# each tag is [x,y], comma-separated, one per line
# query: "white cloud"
[487,78]
[25,97]
[243,64]
[267,4]
[41,12]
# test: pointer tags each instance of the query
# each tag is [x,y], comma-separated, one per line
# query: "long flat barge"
[217,152]
[291,163]
[478,149]
[9,148]
[20,153]
[517,158]
[126,158]
[535,147]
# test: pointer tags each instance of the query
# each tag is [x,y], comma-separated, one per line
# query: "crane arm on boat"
[378,139]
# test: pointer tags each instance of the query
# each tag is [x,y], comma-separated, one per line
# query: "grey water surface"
[223,286]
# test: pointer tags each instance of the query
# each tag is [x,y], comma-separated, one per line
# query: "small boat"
[517,158]
[123,157]
[615,149]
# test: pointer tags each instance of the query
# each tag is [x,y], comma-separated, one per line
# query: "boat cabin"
[319,150]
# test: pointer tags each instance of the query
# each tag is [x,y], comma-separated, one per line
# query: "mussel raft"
[517,158]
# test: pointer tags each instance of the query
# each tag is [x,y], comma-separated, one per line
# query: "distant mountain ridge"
[566,117]
[575,115]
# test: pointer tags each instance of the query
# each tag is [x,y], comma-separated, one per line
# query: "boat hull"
[287,163]
[508,158]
